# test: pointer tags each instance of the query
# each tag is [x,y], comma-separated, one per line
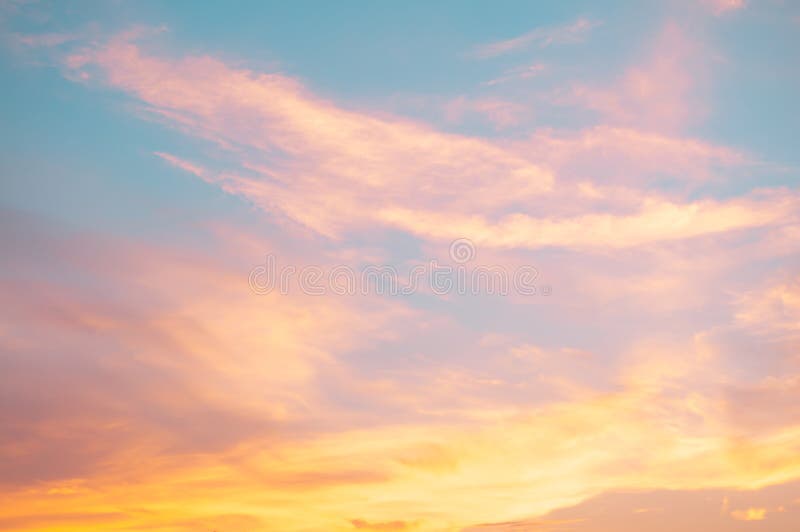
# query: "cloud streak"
[573,33]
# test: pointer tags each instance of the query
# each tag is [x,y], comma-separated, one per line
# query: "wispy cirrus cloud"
[575,32]
[47,39]
[294,139]
[183,164]
[517,73]
[722,7]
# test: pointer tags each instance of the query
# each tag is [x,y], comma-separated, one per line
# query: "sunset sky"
[633,164]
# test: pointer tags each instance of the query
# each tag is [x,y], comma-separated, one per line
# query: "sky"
[425,266]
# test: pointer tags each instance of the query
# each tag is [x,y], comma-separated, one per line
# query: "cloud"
[361,524]
[144,384]
[150,332]
[660,94]
[655,221]
[772,309]
[688,510]
[310,143]
[605,155]
[500,113]
[772,402]
[184,165]
[750,514]
[170,374]
[335,170]
[722,7]
[575,32]
[517,73]
[47,40]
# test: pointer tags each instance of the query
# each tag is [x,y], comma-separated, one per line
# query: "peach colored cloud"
[361,524]
[773,308]
[336,170]
[691,511]
[309,142]
[260,361]
[604,155]
[654,221]
[174,342]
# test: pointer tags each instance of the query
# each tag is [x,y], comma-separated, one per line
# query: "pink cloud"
[773,308]
[575,32]
[655,221]
[750,514]
[335,170]
[500,113]
[722,7]
[609,155]
[362,157]
[660,94]
[184,165]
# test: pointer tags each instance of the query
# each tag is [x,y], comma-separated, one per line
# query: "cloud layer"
[145,386]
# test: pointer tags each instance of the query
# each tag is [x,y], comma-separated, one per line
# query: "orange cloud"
[656,221]
[361,524]
[751,514]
